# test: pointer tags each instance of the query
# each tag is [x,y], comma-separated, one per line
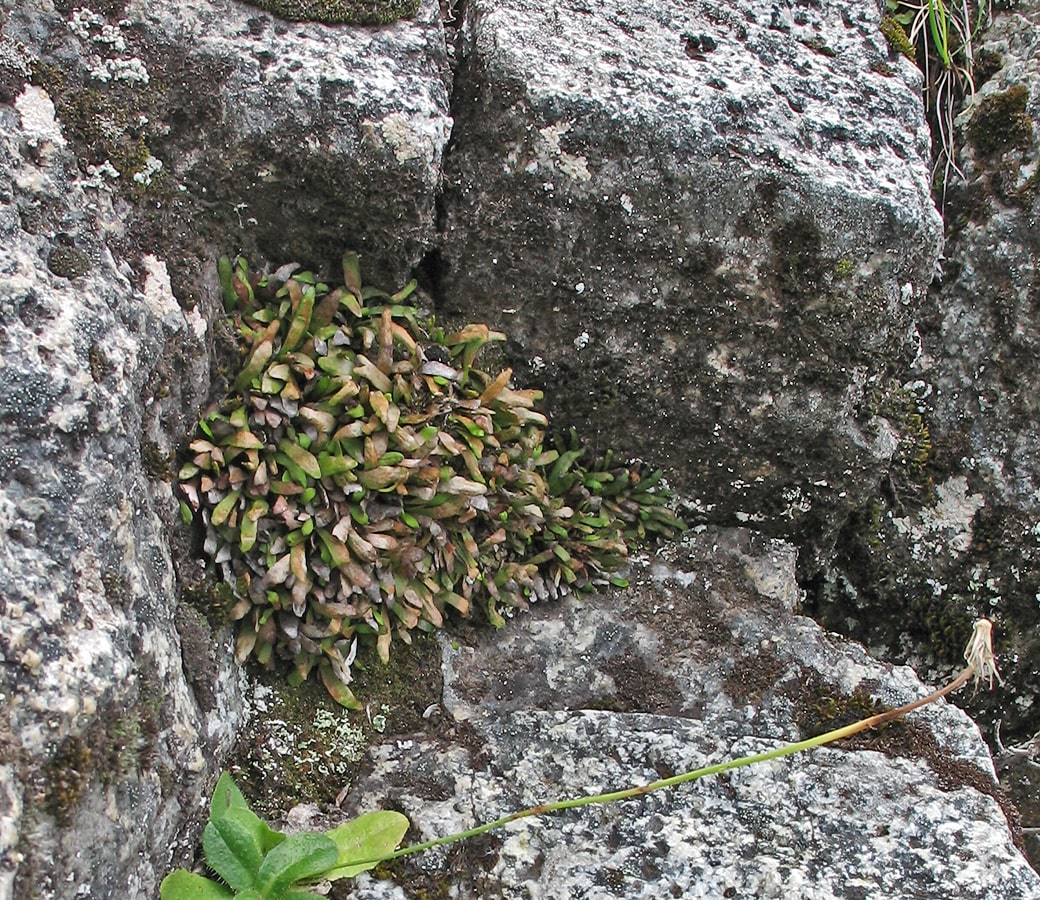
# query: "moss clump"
[1001,123]
[156,463]
[340,12]
[68,262]
[833,709]
[364,476]
[114,746]
[105,124]
[900,407]
[66,777]
[897,38]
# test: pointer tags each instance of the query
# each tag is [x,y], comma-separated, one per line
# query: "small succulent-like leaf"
[301,320]
[225,273]
[352,274]
[222,511]
[367,370]
[337,690]
[246,440]
[259,358]
[300,457]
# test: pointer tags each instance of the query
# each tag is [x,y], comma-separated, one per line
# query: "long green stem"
[716,769]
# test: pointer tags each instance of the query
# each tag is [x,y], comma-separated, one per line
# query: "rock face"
[139,141]
[102,742]
[962,536]
[229,126]
[698,662]
[706,230]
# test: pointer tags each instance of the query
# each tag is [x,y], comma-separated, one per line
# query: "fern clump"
[364,476]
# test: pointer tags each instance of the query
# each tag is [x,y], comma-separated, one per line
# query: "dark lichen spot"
[100,368]
[818,46]
[753,674]
[198,648]
[66,777]
[1001,122]
[796,249]
[341,12]
[987,64]
[68,262]
[156,463]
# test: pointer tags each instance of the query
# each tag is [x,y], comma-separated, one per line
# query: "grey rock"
[705,229]
[961,537]
[153,137]
[690,666]
[102,742]
[227,125]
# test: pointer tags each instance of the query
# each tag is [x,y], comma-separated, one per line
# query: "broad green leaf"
[225,796]
[185,885]
[233,849]
[371,836]
[297,858]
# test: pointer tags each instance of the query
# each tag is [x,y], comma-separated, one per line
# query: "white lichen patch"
[408,137]
[131,70]
[571,165]
[151,168]
[158,292]
[947,524]
[39,124]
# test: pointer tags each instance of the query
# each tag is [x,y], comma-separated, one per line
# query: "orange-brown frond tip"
[979,654]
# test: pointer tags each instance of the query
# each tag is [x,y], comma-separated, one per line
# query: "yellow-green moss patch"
[340,12]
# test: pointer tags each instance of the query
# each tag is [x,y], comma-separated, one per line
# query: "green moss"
[104,125]
[833,709]
[897,38]
[340,12]
[818,46]
[1001,122]
[116,745]
[844,267]
[214,599]
[899,407]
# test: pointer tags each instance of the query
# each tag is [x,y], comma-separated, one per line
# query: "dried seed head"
[979,654]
